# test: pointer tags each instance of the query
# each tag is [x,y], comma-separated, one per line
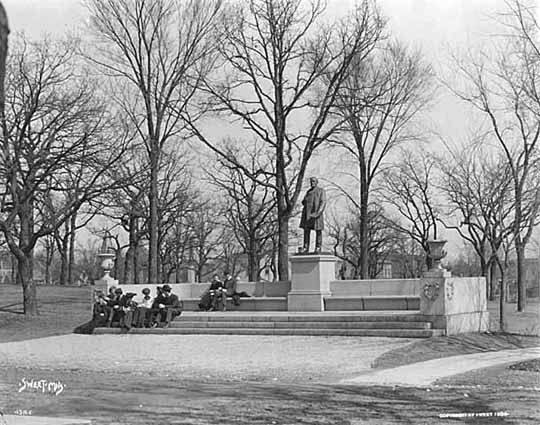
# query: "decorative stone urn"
[106,255]
[436,253]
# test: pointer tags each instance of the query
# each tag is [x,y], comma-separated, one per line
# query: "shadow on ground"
[129,399]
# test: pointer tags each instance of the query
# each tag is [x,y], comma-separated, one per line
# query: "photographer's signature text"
[43,385]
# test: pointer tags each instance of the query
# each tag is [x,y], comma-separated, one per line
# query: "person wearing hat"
[218,295]
[169,306]
[230,286]
[143,311]
[128,307]
[101,309]
[115,303]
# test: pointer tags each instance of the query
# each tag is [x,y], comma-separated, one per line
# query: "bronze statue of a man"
[312,215]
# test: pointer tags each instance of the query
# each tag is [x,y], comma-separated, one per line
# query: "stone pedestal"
[105,283]
[455,304]
[311,275]
[107,265]
[186,274]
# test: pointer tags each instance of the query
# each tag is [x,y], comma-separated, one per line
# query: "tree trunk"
[25,259]
[153,251]
[25,270]
[502,326]
[520,281]
[483,271]
[492,278]
[63,267]
[49,253]
[71,258]
[128,275]
[364,218]
[136,263]
[253,261]
[283,249]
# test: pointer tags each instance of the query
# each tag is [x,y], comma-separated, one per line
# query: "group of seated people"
[215,297]
[121,310]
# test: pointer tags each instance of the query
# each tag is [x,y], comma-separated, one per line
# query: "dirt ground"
[114,398]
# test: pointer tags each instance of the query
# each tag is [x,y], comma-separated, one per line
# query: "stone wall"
[456,304]
[375,287]
[195,290]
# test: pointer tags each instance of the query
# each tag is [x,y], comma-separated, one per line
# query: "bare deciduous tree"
[503,85]
[250,207]
[381,96]
[158,50]
[56,129]
[477,187]
[408,188]
[283,70]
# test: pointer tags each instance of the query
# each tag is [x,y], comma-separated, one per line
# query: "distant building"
[397,265]
[531,275]
[6,267]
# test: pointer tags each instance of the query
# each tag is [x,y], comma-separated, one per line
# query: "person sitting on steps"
[230,286]
[169,307]
[142,314]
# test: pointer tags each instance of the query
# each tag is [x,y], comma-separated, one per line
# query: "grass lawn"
[501,376]
[524,331]
[61,310]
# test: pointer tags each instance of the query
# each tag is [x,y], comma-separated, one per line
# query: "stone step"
[325,316]
[300,325]
[389,333]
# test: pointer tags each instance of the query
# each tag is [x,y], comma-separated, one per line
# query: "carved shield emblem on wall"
[431,290]
[449,289]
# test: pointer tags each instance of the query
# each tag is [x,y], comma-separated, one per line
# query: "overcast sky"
[434,26]
[431,25]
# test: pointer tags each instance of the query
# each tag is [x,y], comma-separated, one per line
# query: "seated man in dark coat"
[115,302]
[231,288]
[128,309]
[169,306]
[101,310]
[207,298]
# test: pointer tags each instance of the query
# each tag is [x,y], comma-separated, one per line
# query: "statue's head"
[313,181]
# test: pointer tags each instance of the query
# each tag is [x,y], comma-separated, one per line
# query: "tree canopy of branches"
[383,240]
[157,52]
[381,96]
[409,189]
[283,70]
[477,185]
[503,85]
[249,207]
[56,131]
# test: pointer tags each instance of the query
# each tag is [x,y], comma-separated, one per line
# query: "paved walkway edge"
[426,373]
[41,420]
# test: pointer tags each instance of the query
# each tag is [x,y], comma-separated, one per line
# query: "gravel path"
[224,357]
[426,373]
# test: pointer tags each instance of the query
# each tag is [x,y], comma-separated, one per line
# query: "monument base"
[455,304]
[306,300]
[311,275]
[454,324]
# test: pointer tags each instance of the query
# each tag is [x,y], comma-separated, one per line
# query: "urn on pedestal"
[106,255]
[436,253]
